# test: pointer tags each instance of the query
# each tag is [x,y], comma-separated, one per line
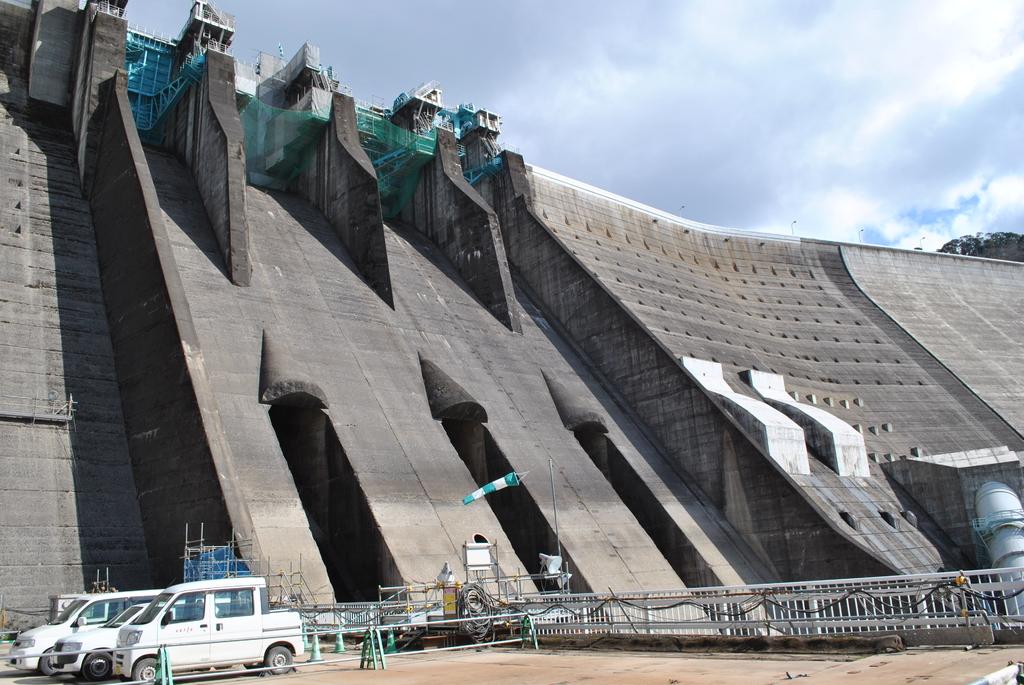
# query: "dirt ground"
[514,667]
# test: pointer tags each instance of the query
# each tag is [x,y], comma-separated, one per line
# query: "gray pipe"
[999,506]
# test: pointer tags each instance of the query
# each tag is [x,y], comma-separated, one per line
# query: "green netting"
[398,156]
[279,143]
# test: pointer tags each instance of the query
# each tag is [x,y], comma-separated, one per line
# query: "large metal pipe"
[999,507]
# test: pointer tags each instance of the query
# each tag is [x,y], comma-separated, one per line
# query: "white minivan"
[30,651]
[92,651]
[209,623]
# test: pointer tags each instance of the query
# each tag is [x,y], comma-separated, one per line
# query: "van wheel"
[97,666]
[279,659]
[45,665]
[144,669]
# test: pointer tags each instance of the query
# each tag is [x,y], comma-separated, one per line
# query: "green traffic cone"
[305,639]
[339,642]
[391,648]
[315,656]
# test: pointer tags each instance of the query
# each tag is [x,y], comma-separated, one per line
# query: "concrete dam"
[235,297]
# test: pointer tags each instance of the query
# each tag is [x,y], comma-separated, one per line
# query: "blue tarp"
[219,562]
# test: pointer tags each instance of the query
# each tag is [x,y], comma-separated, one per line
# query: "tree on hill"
[1002,245]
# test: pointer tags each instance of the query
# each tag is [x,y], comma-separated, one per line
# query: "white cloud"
[842,117]
[995,206]
[902,118]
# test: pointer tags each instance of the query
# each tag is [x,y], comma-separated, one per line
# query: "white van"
[94,657]
[209,623]
[87,611]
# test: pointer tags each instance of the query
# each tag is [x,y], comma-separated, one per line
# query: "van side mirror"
[165,619]
[80,622]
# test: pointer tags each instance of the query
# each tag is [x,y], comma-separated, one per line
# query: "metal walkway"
[35,410]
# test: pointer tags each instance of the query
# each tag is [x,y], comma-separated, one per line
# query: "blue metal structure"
[153,85]
[213,563]
[461,119]
[397,155]
[489,168]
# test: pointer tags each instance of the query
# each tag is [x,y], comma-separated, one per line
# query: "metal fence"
[884,604]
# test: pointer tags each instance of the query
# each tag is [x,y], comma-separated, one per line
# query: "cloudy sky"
[905,119]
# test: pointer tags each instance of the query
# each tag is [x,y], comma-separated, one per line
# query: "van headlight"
[71,647]
[26,642]
[128,638]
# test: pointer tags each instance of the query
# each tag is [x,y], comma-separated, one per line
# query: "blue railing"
[489,168]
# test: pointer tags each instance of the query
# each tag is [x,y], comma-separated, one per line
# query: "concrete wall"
[364,357]
[67,492]
[54,38]
[16,31]
[451,213]
[181,463]
[412,521]
[967,312]
[946,489]
[205,130]
[341,183]
[789,307]
[100,55]
[793,536]
[252,456]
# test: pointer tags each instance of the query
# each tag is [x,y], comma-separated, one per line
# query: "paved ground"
[512,667]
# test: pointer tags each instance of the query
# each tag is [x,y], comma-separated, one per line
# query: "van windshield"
[68,612]
[124,616]
[153,609]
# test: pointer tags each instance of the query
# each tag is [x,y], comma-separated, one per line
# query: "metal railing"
[38,410]
[110,8]
[218,46]
[216,16]
[884,604]
[155,35]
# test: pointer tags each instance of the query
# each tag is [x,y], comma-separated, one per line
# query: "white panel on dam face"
[780,437]
[835,440]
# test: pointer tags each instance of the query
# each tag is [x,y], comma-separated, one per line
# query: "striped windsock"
[493,486]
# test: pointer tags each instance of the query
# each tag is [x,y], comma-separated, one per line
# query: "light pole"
[792,227]
[860,235]
[681,208]
[554,504]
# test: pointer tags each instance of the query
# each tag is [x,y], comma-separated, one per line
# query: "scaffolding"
[485,170]
[101,585]
[287,106]
[466,117]
[161,69]
[398,156]
[279,143]
[209,562]
[37,410]
[423,103]
[154,86]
